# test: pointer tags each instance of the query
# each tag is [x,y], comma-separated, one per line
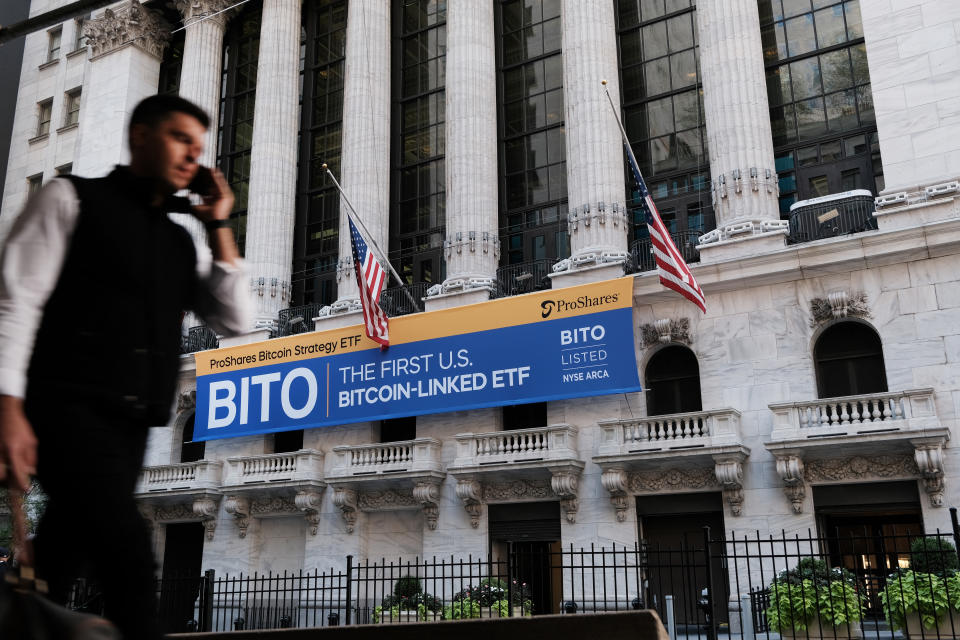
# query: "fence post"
[510,579]
[711,605]
[206,614]
[956,530]
[349,589]
[746,617]
[671,616]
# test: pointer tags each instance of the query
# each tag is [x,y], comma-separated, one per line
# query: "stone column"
[126,46]
[273,162]
[595,169]
[472,244]
[737,117]
[200,81]
[365,160]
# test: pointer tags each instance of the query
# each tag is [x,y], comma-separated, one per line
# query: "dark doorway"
[868,529]
[524,416]
[526,539]
[182,557]
[672,534]
[398,429]
[191,451]
[288,441]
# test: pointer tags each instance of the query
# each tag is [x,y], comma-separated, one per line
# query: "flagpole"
[363,227]
[623,132]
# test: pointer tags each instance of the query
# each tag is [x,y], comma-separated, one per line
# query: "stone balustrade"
[203,474]
[421,454]
[554,442]
[295,466]
[718,427]
[911,410]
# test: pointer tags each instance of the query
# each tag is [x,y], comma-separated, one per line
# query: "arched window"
[849,361]
[673,382]
[190,451]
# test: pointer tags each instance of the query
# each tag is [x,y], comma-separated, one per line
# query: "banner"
[550,345]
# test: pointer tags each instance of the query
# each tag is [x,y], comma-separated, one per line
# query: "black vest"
[110,333]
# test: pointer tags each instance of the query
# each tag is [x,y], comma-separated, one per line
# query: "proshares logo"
[547,307]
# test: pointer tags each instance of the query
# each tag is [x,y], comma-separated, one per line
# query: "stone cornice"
[812,259]
[129,24]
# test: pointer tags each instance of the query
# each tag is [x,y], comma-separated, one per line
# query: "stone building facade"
[478,143]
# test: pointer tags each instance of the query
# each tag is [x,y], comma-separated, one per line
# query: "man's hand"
[218,201]
[18,445]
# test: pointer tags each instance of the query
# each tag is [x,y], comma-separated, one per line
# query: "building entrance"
[182,558]
[525,539]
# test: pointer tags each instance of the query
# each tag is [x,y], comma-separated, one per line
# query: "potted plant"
[408,603]
[925,600]
[491,599]
[813,601]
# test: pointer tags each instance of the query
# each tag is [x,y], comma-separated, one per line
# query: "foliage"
[810,590]
[914,592]
[462,609]
[933,554]
[407,587]
[490,591]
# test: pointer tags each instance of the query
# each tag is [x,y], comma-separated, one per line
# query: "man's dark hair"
[153,110]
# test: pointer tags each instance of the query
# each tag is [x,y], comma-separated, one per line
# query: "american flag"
[674,272]
[370,279]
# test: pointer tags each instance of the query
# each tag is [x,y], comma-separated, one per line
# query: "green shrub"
[462,609]
[407,587]
[933,555]
[914,592]
[812,589]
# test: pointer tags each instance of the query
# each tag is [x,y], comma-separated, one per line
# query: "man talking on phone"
[94,278]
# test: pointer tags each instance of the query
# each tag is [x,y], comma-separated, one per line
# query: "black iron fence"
[837,215]
[199,338]
[880,580]
[641,251]
[525,277]
[299,319]
[396,301]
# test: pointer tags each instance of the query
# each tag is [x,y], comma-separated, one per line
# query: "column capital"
[193,10]
[131,24]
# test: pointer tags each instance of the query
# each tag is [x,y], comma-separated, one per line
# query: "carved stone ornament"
[666,330]
[861,468]
[615,481]
[206,509]
[517,490]
[790,468]
[929,460]
[239,508]
[132,24]
[837,305]
[729,472]
[308,501]
[187,401]
[346,500]
[427,493]
[564,483]
[470,493]
[273,505]
[672,480]
[386,500]
[194,10]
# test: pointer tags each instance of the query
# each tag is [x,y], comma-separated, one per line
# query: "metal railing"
[199,338]
[704,583]
[294,320]
[516,279]
[394,301]
[641,251]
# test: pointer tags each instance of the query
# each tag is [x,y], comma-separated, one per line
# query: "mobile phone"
[202,182]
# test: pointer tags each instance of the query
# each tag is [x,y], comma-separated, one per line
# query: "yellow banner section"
[495,314]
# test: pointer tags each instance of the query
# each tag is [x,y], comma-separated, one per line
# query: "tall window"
[524,416]
[34,183]
[418,219]
[849,361]
[673,382]
[238,92]
[71,108]
[663,114]
[318,206]
[821,104]
[79,40]
[398,429]
[533,166]
[44,114]
[288,441]
[191,451]
[172,65]
[54,36]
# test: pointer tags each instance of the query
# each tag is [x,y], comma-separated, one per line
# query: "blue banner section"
[587,355]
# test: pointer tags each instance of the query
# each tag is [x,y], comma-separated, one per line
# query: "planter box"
[403,617]
[816,631]
[493,612]
[947,627]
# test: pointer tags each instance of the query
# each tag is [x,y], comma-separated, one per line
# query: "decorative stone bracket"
[239,508]
[790,470]
[929,459]
[427,493]
[203,508]
[345,499]
[666,330]
[616,482]
[564,483]
[308,501]
[838,305]
[729,472]
[470,492]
